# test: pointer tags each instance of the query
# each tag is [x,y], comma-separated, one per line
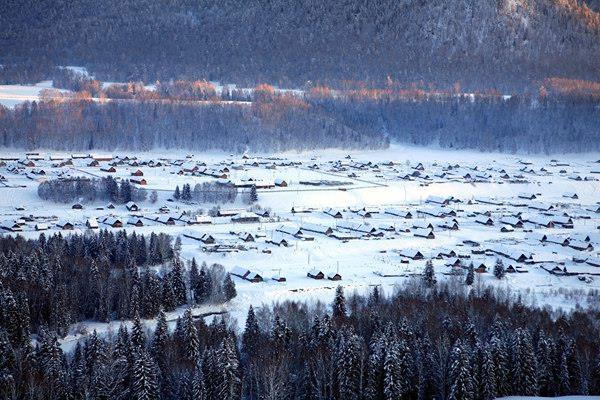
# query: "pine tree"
[563,381]
[425,364]
[138,336]
[461,376]
[524,366]
[203,289]
[186,194]
[339,306]
[229,387]
[178,282]
[484,373]
[194,278]
[125,191]
[168,299]
[251,338]
[197,388]
[112,189]
[50,358]
[577,382]
[122,346]
[153,197]
[15,317]
[8,360]
[392,388]
[253,197]
[374,297]
[429,275]
[229,291]
[151,303]
[211,374]
[177,246]
[499,271]
[160,339]
[190,338]
[177,193]
[144,378]
[349,374]
[545,368]
[500,352]
[470,275]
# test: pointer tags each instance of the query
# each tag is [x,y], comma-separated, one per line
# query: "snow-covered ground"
[370,189]
[12,95]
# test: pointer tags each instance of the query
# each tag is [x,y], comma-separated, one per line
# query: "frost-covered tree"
[470,278]
[349,363]
[499,271]
[429,278]
[229,291]
[339,305]
[523,365]
[144,385]
[461,374]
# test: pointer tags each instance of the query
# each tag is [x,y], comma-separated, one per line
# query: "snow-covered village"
[300,200]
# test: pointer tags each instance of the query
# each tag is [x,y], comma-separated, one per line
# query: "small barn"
[135,221]
[246,237]
[65,225]
[165,220]
[131,206]
[245,217]
[108,169]
[484,220]
[41,226]
[139,181]
[113,222]
[424,233]
[411,253]
[280,182]
[91,223]
[207,239]
[332,212]
[334,276]
[315,274]
[278,278]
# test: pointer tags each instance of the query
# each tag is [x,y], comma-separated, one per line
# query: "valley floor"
[372,242]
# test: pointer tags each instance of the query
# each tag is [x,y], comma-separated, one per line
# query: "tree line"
[282,124]
[206,192]
[560,117]
[556,120]
[420,342]
[65,190]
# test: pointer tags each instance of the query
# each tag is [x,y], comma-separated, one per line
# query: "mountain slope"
[502,43]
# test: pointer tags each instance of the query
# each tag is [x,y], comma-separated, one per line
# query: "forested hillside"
[501,43]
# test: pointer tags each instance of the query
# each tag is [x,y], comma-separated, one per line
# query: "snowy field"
[539,215]
[12,95]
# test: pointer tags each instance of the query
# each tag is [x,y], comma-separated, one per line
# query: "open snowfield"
[371,244]
[12,95]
